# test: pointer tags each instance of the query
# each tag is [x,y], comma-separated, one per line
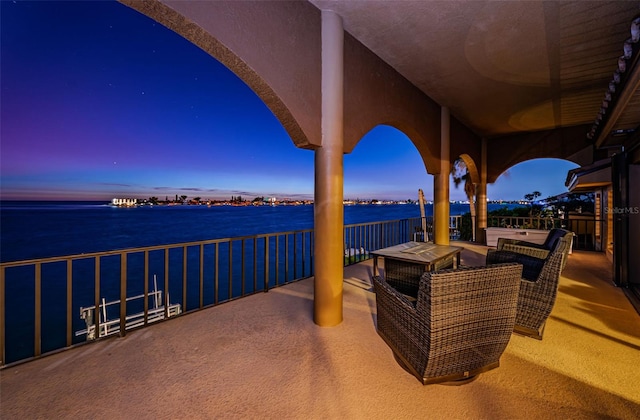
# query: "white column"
[328,207]
[441,184]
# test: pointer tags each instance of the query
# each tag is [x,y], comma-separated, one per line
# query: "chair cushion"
[552,239]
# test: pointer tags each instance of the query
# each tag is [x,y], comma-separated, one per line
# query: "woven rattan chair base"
[461,378]
[440,381]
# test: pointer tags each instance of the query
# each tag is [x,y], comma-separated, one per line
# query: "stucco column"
[328,208]
[441,185]
[481,201]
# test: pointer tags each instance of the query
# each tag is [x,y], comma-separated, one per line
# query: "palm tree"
[531,198]
[461,174]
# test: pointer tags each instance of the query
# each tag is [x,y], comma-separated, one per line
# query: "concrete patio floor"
[263,357]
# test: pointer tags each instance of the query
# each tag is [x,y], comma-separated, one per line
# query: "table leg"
[375,265]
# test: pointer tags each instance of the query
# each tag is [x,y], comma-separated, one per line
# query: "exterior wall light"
[635,29]
[616,77]
[628,49]
[622,64]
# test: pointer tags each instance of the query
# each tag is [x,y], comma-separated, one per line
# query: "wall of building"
[634,224]
[376,94]
[609,224]
[599,228]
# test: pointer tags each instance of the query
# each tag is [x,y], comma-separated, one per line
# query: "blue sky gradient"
[99,101]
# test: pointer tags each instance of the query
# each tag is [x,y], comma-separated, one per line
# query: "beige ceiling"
[501,66]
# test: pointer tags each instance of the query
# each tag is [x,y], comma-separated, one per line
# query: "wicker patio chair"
[539,286]
[405,276]
[459,325]
[533,249]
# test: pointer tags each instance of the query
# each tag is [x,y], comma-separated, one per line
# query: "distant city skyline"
[99,101]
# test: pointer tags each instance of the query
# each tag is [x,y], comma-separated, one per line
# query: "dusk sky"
[99,101]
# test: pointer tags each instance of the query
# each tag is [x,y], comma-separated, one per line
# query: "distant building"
[124,202]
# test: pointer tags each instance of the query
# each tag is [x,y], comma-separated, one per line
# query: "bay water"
[39,229]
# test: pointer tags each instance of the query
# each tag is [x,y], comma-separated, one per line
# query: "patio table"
[405,263]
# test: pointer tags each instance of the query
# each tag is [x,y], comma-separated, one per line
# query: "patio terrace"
[263,357]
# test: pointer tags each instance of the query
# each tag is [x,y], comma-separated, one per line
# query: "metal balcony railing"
[543,223]
[50,304]
[590,234]
[45,304]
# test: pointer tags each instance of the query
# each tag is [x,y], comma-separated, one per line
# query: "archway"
[293,97]
[465,177]
[541,187]
[546,175]
[385,165]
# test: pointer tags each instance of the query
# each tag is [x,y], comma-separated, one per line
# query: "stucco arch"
[413,135]
[535,158]
[250,39]
[566,143]
[471,167]
[375,94]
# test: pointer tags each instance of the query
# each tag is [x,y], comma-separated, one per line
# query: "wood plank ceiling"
[507,67]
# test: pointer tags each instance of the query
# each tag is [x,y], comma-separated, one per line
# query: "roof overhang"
[589,177]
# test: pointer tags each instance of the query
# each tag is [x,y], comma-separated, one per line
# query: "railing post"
[96,296]
[216,275]
[311,251]
[166,282]
[69,303]
[286,258]
[201,276]
[2,316]
[303,246]
[361,243]
[123,294]
[277,259]
[266,264]
[146,288]
[255,263]
[184,278]
[242,268]
[230,279]
[295,255]
[38,311]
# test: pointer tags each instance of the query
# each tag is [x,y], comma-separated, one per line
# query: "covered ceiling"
[506,67]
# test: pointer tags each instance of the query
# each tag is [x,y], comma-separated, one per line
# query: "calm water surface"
[46,229]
